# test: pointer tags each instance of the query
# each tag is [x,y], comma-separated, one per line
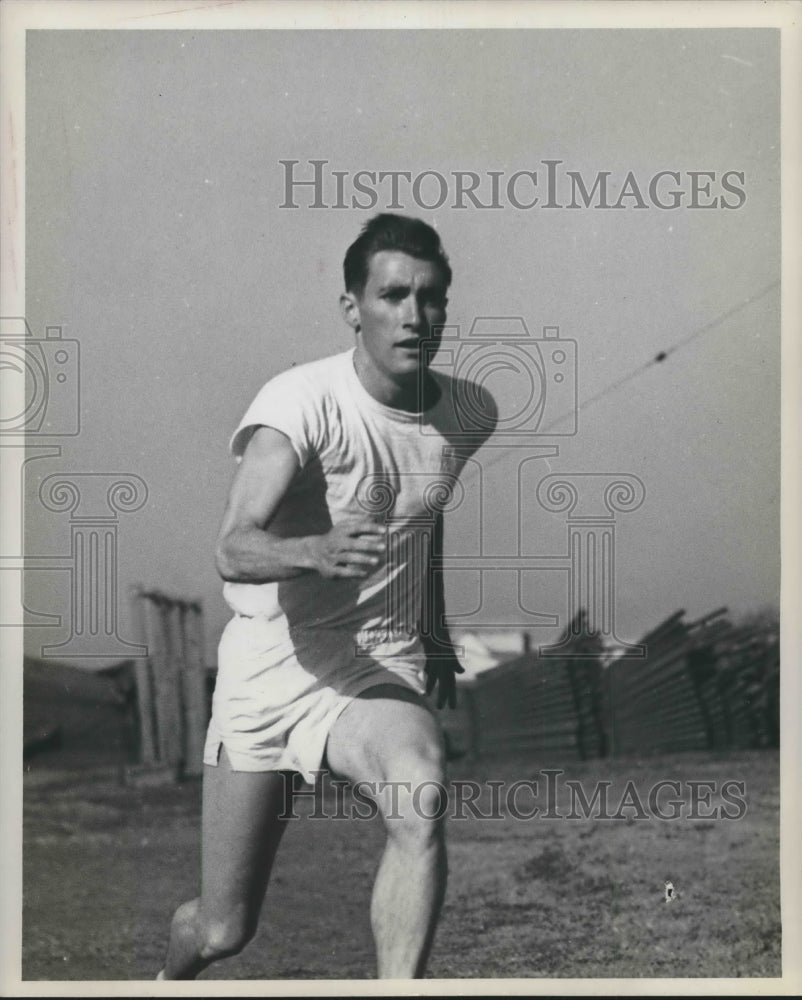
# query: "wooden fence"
[171,688]
[703,685]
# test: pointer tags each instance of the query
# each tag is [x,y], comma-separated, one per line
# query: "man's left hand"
[441,673]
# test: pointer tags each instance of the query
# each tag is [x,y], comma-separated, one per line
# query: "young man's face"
[403,300]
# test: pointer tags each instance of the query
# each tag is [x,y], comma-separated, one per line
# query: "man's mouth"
[410,344]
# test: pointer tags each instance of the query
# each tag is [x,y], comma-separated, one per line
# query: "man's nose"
[412,312]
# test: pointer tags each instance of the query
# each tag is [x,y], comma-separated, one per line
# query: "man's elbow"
[226,562]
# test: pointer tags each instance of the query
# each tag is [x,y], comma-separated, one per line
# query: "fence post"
[168,718]
[194,678]
[144,684]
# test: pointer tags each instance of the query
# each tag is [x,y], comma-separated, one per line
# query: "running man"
[345,465]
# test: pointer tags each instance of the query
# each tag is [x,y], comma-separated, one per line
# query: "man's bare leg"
[242,830]
[382,738]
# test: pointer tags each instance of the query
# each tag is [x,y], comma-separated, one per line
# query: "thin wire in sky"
[659,358]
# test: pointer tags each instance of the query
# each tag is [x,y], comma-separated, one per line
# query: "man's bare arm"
[247,551]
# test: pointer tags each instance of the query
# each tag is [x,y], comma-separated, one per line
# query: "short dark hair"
[392,232]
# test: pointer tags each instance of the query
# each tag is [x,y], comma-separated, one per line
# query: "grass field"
[105,865]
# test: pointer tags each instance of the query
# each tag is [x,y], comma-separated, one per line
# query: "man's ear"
[349,306]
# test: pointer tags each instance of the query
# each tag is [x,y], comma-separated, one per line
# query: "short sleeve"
[467,416]
[287,404]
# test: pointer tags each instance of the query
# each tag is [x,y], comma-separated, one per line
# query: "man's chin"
[407,363]
[412,371]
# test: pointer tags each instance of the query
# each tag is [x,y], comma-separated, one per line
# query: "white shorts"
[279,692]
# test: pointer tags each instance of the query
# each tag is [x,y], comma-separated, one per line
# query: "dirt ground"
[105,865]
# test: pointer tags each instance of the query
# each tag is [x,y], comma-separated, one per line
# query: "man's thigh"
[388,733]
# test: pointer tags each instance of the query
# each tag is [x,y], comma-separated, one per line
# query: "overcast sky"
[155,237]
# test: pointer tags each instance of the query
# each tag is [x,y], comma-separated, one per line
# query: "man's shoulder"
[319,369]
[300,401]
[316,377]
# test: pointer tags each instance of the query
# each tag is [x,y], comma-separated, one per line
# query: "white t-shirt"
[356,456]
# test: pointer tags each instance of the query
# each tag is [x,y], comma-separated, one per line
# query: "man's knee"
[224,937]
[415,803]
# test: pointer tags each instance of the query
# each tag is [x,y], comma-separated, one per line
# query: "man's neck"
[412,395]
